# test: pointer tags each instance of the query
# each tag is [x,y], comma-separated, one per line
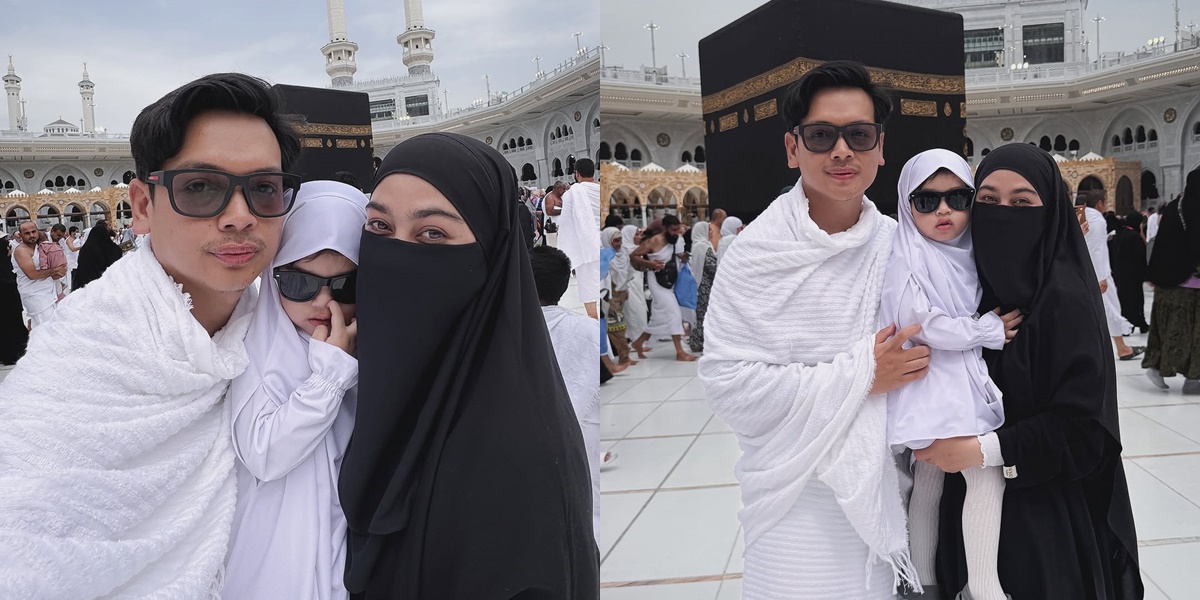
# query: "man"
[579,233]
[121,483]
[553,204]
[1096,237]
[70,247]
[576,346]
[714,226]
[38,287]
[1152,218]
[657,253]
[794,364]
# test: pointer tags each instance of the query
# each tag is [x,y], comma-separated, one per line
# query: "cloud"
[136,55]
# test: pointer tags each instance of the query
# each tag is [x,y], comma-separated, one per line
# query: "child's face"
[308,314]
[943,224]
[616,243]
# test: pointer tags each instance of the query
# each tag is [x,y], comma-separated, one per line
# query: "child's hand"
[1011,322]
[342,335]
[952,455]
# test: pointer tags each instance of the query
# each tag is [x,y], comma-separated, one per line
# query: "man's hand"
[657,265]
[1011,321]
[59,272]
[952,455]
[1103,285]
[344,336]
[896,367]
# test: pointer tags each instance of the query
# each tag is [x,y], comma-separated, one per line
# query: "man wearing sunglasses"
[119,478]
[795,365]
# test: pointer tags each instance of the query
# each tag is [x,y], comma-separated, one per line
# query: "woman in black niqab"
[465,477]
[1173,347]
[13,334]
[1067,528]
[98,253]
[1129,269]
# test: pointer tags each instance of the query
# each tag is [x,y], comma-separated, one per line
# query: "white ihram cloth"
[788,363]
[116,469]
[292,415]
[576,346]
[38,296]
[579,236]
[1097,243]
[635,309]
[935,285]
[666,318]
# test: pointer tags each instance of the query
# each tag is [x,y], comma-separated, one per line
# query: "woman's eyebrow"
[379,207]
[422,213]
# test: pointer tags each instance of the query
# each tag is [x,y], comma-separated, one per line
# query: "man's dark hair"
[550,188]
[833,74]
[58,227]
[614,221]
[1093,200]
[551,273]
[585,167]
[669,221]
[347,178]
[73,229]
[1150,210]
[159,130]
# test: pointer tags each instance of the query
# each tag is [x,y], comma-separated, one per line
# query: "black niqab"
[466,476]
[13,335]
[95,257]
[1067,527]
[1176,254]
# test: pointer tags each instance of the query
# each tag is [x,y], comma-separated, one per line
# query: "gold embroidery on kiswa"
[329,129]
[729,121]
[918,108]
[311,142]
[766,110]
[347,143]
[787,74]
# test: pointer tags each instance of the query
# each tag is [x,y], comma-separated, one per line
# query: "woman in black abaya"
[1067,529]
[98,253]
[1129,269]
[1174,344]
[466,476]
[13,333]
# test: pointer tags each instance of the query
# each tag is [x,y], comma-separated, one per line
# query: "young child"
[293,407]
[931,281]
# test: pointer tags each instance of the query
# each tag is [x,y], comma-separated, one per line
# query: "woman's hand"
[953,455]
[343,335]
[1011,322]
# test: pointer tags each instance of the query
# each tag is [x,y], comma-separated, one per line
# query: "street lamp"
[578,47]
[1098,20]
[537,61]
[682,65]
[488,79]
[602,49]
[653,53]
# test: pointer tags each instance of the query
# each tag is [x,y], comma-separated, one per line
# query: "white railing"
[1111,62]
[648,75]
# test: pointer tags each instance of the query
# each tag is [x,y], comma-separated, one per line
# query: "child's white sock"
[923,519]
[981,531]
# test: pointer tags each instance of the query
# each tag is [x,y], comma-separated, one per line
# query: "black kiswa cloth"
[466,476]
[1176,254]
[1067,528]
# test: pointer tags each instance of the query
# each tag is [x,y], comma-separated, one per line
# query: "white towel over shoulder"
[116,471]
[788,363]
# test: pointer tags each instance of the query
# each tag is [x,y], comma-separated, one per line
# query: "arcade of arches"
[81,209]
[1120,182]
[644,196]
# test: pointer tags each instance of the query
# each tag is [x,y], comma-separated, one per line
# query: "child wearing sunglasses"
[293,407]
[932,281]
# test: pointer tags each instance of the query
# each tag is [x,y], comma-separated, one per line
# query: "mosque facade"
[75,173]
[1032,75]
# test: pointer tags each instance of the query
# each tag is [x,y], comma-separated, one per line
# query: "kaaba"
[746,67]
[337,133]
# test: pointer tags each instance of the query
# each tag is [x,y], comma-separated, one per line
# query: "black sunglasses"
[299,286]
[822,137]
[204,193]
[928,201]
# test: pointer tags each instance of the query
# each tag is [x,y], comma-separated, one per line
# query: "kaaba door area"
[746,67]
[336,136]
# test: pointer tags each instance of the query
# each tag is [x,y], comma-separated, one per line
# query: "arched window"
[49,184]
[985,151]
[58,182]
[686,158]
[1060,144]
[1140,137]
[1153,135]
[596,123]
[129,175]
[557,172]
[1127,137]
[570,163]
[1116,141]
[605,152]
[635,157]
[1073,146]
[112,182]
[970,148]
[1196,128]
[504,147]
[520,142]
[621,153]
[1044,143]
[699,154]
[528,173]
[70,181]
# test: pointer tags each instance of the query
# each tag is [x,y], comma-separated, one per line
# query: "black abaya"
[1067,529]
[96,256]
[466,476]
[1129,270]
[13,334]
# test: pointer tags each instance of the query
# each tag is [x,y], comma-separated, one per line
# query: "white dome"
[1058,158]
[16,194]
[1091,156]
[121,185]
[95,189]
[619,166]
[687,168]
[45,191]
[72,190]
[652,167]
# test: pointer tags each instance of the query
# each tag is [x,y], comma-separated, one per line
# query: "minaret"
[416,39]
[12,85]
[86,87]
[339,52]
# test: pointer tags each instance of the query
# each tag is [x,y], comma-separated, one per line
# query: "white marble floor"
[669,506]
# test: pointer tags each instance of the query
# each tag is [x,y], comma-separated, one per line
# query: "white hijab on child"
[944,271]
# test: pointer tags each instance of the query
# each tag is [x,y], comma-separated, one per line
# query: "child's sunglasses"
[299,286]
[928,201]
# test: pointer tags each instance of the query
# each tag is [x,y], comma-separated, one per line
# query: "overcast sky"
[1127,25]
[138,51]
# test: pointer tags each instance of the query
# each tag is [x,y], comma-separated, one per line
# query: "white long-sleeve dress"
[289,529]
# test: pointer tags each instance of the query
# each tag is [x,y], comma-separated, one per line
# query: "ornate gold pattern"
[918,108]
[347,143]
[329,129]
[962,109]
[311,142]
[788,73]
[946,109]
[1170,115]
[1006,134]
[729,121]
[766,110]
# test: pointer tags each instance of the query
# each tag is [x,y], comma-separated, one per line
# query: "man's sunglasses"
[204,193]
[299,286]
[928,201]
[822,137]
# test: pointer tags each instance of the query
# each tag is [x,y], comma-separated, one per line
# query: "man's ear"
[881,161]
[791,147]
[141,204]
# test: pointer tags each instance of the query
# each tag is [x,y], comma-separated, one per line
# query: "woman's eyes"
[378,226]
[987,199]
[433,235]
